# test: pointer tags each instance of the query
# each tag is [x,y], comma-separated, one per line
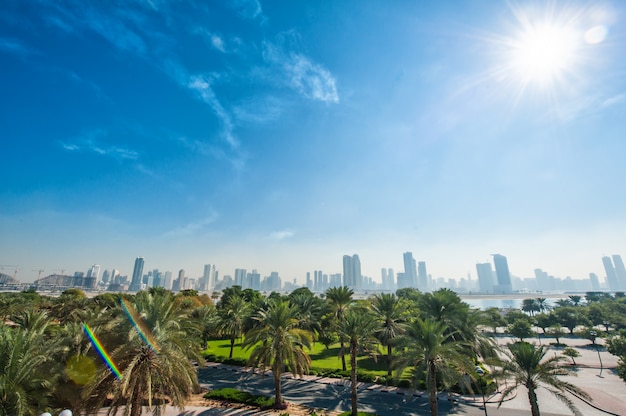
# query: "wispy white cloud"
[614,100]
[249,9]
[281,235]
[217,43]
[193,227]
[15,46]
[201,85]
[224,44]
[116,32]
[89,142]
[259,109]
[298,72]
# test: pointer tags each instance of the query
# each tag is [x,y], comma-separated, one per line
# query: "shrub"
[237,396]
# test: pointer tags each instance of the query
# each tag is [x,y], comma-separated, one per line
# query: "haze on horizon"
[280,136]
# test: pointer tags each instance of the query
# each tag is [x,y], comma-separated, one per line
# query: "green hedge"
[237,396]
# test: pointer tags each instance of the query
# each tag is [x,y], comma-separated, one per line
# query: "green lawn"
[321,357]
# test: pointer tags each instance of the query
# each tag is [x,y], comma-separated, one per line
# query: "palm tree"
[388,312]
[576,299]
[310,310]
[208,322]
[528,368]
[358,329]
[431,351]
[25,377]
[233,319]
[153,350]
[530,306]
[277,341]
[542,304]
[339,299]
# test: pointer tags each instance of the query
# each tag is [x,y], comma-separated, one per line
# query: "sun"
[544,53]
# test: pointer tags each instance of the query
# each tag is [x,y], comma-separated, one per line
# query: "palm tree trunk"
[532,398]
[278,398]
[343,356]
[135,405]
[389,361]
[353,397]
[232,346]
[432,388]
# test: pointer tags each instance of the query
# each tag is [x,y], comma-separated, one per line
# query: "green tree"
[430,350]
[310,310]
[616,345]
[575,299]
[493,318]
[544,320]
[155,361]
[530,306]
[25,377]
[277,341]
[232,320]
[557,332]
[527,367]
[208,322]
[358,328]
[520,329]
[389,314]
[542,304]
[571,353]
[339,300]
[570,317]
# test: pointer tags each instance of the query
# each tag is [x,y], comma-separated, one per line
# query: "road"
[316,394]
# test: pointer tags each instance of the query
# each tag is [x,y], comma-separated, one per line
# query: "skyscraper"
[611,276]
[91,280]
[422,276]
[352,271]
[620,271]
[410,270]
[207,282]
[135,283]
[240,278]
[485,277]
[502,273]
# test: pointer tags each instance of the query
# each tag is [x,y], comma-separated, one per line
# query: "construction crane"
[39,271]
[17,268]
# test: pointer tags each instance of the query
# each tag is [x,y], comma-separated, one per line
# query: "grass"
[322,358]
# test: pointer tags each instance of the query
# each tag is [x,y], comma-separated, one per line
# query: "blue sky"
[282,135]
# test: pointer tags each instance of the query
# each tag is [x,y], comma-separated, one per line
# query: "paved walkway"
[608,392]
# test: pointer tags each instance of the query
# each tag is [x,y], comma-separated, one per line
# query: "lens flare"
[102,352]
[80,369]
[143,331]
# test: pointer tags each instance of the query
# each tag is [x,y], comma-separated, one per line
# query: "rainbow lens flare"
[102,352]
[143,331]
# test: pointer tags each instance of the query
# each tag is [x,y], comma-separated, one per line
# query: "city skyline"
[275,136]
[492,276]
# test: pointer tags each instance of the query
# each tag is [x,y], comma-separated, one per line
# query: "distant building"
[595,282]
[502,274]
[410,270]
[135,283]
[422,276]
[611,275]
[620,271]
[352,272]
[485,277]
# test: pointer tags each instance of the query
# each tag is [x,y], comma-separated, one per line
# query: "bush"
[237,396]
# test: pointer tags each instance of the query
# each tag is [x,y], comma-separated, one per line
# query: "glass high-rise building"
[502,274]
[135,283]
[410,270]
